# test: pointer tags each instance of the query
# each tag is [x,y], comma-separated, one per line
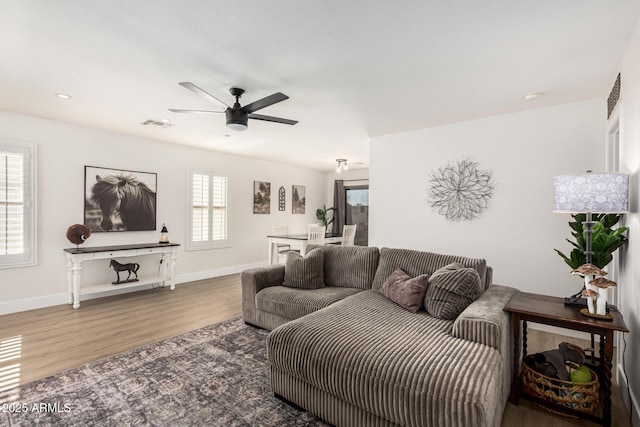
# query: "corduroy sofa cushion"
[451,289]
[304,272]
[402,367]
[349,266]
[405,290]
[415,263]
[292,303]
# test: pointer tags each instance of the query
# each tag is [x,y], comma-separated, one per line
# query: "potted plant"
[604,241]
[321,215]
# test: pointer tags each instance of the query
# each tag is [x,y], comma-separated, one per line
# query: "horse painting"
[124,195]
[130,268]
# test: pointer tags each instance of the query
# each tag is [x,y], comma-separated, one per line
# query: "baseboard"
[624,386]
[15,306]
[216,272]
[25,304]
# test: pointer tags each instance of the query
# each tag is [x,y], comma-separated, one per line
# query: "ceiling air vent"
[614,97]
[164,123]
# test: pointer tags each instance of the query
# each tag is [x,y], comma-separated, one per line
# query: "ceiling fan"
[237,116]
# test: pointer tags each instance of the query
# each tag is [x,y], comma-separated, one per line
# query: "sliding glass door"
[357,212]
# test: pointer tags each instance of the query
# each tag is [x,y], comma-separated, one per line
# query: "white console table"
[75,257]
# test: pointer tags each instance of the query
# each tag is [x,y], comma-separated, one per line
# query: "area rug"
[214,376]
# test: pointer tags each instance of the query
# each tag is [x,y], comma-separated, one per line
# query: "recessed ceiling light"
[63,96]
[531,96]
[167,121]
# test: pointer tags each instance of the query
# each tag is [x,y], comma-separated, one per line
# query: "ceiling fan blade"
[272,119]
[177,110]
[206,95]
[264,102]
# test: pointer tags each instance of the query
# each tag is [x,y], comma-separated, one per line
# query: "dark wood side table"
[526,307]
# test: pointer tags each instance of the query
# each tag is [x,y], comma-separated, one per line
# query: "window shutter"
[200,208]
[219,223]
[17,209]
[209,219]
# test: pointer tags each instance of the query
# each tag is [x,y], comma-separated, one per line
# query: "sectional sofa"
[347,352]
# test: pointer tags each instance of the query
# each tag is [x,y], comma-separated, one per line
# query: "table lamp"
[590,193]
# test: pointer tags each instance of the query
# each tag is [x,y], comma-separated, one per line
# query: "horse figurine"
[125,195]
[130,268]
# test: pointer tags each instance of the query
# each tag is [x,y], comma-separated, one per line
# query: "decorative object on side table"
[78,233]
[583,195]
[164,235]
[129,268]
[596,295]
[595,289]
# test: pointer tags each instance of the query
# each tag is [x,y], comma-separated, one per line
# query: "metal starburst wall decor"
[460,191]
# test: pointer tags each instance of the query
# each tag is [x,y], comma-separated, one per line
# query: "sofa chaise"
[354,357]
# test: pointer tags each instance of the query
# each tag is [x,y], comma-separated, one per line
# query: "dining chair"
[315,235]
[349,235]
[282,248]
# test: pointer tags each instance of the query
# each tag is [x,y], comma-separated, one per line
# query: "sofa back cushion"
[304,272]
[349,266]
[415,263]
[451,289]
[406,291]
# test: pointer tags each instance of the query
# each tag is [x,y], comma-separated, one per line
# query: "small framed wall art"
[261,197]
[298,199]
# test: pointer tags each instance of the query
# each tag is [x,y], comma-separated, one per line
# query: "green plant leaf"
[566,259]
[604,239]
[577,258]
[609,220]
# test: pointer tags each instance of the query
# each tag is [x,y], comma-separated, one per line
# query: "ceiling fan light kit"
[238,116]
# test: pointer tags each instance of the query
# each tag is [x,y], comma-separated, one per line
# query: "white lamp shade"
[591,192]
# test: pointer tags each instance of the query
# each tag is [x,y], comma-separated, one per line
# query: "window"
[209,210]
[17,204]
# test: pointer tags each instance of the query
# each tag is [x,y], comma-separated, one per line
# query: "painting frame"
[261,197]
[298,199]
[109,189]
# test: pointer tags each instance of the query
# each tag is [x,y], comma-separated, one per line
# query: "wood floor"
[38,343]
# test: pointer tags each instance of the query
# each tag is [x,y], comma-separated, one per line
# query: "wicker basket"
[582,397]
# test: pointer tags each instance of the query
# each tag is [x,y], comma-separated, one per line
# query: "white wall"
[518,232]
[629,283]
[63,151]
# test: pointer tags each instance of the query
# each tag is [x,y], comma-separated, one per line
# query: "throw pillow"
[304,272]
[404,290]
[451,289]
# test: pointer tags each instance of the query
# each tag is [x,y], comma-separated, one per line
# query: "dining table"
[297,241]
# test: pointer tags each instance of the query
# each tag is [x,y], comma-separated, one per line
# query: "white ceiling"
[353,69]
